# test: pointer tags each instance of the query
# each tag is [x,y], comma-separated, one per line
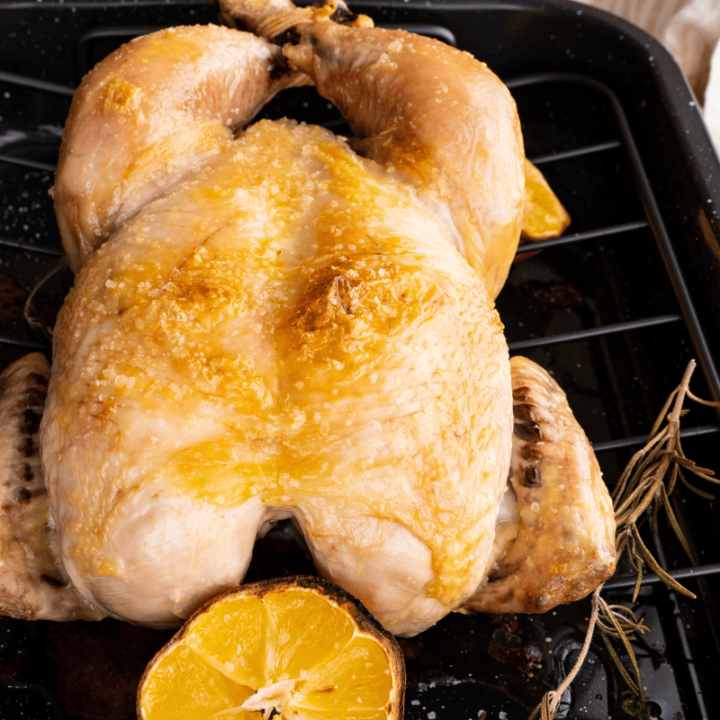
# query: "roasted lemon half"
[291,649]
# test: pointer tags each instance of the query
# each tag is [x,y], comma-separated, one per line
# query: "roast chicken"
[272,322]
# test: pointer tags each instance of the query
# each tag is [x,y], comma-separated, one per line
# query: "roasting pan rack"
[615,310]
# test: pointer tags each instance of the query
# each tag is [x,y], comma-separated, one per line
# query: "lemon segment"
[356,680]
[301,617]
[184,685]
[237,649]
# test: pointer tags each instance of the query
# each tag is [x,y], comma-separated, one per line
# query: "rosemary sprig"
[619,622]
[645,485]
[551,700]
[650,478]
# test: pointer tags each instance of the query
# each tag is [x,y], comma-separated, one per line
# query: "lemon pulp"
[544,216]
[291,651]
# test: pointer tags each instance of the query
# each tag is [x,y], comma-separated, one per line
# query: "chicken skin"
[32,584]
[274,322]
[563,525]
[290,333]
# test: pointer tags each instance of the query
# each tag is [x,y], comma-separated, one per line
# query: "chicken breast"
[288,333]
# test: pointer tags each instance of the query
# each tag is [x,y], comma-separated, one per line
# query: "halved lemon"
[291,649]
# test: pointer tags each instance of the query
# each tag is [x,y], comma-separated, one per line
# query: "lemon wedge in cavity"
[291,649]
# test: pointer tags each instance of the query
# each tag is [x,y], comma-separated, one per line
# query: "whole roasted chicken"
[269,321]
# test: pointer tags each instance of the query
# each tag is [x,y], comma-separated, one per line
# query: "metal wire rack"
[599,307]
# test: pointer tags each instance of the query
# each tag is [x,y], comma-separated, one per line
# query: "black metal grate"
[609,309]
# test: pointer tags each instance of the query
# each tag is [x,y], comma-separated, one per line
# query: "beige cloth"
[690,30]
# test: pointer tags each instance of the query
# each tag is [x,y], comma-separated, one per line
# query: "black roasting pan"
[616,310]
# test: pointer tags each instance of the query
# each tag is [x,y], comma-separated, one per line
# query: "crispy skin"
[268,325]
[32,586]
[147,117]
[290,333]
[565,546]
[440,119]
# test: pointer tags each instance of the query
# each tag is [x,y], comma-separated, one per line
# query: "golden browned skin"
[267,325]
[32,586]
[277,20]
[564,520]
[148,116]
[286,330]
[437,117]
[287,333]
